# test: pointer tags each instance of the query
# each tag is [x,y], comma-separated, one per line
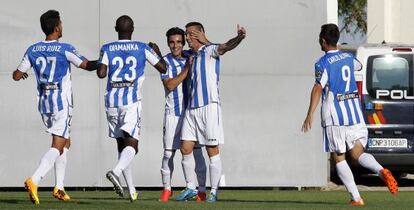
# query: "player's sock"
[200,169]
[346,176]
[60,168]
[126,157]
[167,168]
[368,161]
[188,170]
[46,163]
[127,172]
[215,173]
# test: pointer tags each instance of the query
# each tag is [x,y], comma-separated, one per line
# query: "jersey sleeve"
[151,56]
[212,50]
[73,56]
[166,75]
[357,65]
[321,75]
[25,64]
[103,57]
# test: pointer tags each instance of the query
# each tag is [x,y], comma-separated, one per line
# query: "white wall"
[390,20]
[265,86]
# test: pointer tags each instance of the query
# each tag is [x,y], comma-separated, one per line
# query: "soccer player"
[124,60]
[342,120]
[176,97]
[202,119]
[51,60]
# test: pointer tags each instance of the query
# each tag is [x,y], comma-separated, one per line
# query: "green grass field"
[229,199]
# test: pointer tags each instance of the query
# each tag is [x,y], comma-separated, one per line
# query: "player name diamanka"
[123,47]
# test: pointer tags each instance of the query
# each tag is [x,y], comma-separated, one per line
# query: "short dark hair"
[124,24]
[330,33]
[199,25]
[175,31]
[49,20]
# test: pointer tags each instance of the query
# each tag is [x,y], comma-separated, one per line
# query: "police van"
[385,85]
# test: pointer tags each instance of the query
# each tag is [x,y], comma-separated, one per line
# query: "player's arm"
[232,43]
[79,61]
[103,64]
[161,66]
[314,101]
[102,71]
[24,66]
[89,65]
[172,83]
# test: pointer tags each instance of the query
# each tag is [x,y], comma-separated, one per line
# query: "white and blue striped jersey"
[205,76]
[51,64]
[340,100]
[126,62]
[176,100]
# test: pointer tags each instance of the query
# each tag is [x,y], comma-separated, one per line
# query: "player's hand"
[190,60]
[241,31]
[200,36]
[155,48]
[24,76]
[307,124]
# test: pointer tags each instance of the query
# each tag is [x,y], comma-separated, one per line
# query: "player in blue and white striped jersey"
[176,98]
[124,60]
[342,121]
[51,61]
[202,122]
[340,104]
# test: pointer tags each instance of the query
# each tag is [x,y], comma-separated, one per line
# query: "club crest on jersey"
[318,74]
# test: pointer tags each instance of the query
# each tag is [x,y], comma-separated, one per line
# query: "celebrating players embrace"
[192,117]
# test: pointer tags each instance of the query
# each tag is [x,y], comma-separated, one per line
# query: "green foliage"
[354,13]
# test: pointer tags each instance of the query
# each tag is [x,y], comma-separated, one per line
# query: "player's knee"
[60,150]
[136,149]
[186,150]
[338,157]
[212,150]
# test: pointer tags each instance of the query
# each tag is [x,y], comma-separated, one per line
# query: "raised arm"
[161,66]
[314,101]
[172,83]
[234,42]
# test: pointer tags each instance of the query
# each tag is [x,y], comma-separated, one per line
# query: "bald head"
[124,25]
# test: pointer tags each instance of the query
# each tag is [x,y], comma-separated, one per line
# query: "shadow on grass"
[279,201]
[10,201]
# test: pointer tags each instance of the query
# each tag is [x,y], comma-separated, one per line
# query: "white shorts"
[343,138]
[203,124]
[172,131]
[124,119]
[59,123]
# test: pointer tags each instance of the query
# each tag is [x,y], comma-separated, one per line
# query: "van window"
[390,72]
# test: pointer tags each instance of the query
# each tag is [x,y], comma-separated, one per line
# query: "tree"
[354,15]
